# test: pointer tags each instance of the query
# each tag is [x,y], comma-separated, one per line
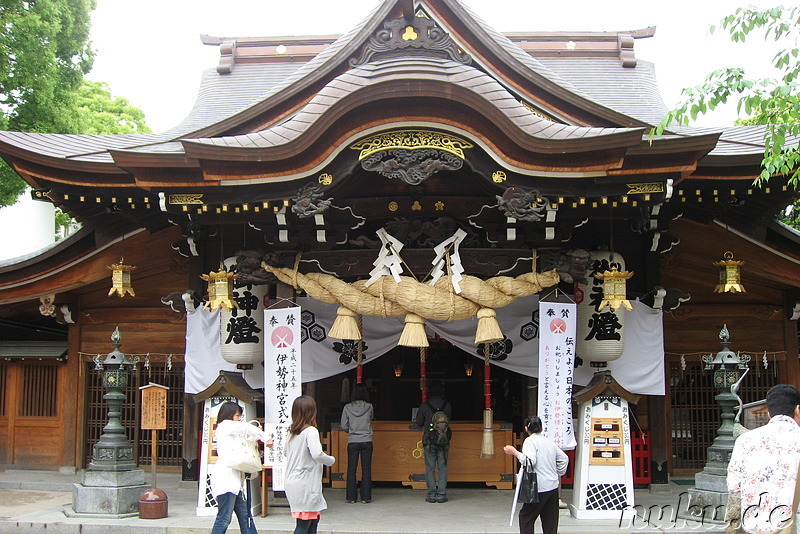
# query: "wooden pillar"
[659,438]
[531,405]
[790,373]
[74,384]
[191,438]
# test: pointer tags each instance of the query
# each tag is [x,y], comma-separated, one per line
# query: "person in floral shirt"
[763,465]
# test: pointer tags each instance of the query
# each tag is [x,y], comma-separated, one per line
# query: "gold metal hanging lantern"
[220,289]
[121,279]
[615,293]
[729,275]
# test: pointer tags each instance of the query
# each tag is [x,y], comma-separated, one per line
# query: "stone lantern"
[112,484]
[707,500]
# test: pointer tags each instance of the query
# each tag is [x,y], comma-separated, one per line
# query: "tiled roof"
[734,140]
[223,95]
[632,91]
[446,71]
[227,99]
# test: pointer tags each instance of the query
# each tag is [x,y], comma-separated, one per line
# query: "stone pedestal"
[108,494]
[707,500]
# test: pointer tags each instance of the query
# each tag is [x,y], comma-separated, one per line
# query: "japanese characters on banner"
[601,333]
[241,330]
[282,382]
[279,434]
[556,361]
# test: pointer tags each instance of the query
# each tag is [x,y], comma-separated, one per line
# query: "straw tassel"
[413,332]
[345,326]
[488,328]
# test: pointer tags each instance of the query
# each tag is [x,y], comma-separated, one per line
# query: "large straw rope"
[390,298]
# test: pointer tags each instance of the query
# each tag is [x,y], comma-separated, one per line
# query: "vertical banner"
[282,382]
[281,363]
[556,357]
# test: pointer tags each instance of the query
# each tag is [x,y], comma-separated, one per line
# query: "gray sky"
[149,51]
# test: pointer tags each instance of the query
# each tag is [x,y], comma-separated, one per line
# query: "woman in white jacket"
[550,463]
[304,461]
[227,484]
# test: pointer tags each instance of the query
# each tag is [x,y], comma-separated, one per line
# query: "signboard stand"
[153,502]
[603,486]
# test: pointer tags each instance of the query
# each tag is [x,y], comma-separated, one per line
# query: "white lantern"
[241,333]
[600,331]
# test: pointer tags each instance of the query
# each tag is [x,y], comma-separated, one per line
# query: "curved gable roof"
[416,78]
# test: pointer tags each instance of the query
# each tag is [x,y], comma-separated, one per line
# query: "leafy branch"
[774,102]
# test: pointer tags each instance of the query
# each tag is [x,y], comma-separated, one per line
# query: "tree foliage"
[97,111]
[44,54]
[774,102]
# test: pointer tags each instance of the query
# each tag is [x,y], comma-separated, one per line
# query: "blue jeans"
[436,457]
[365,451]
[227,503]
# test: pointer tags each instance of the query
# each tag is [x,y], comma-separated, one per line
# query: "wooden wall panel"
[5,441]
[755,319]
[37,443]
[149,252]
[158,338]
[701,334]
[5,437]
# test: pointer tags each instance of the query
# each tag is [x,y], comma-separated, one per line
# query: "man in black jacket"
[435,455]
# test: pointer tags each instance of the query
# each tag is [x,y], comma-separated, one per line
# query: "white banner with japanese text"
[556,361]
[282,363]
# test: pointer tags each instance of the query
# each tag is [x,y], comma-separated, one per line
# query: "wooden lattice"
[39,393]
[169,441]
[694,414]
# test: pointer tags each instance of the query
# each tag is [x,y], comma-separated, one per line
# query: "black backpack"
[439,432]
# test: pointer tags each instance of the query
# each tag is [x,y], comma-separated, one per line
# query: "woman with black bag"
[549,463]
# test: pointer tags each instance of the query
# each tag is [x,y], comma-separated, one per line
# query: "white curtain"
[640,369]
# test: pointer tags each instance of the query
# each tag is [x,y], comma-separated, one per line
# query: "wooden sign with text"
[154,407]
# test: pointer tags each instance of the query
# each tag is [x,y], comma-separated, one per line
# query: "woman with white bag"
[228,483]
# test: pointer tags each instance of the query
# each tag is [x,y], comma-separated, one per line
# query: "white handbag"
[243,455]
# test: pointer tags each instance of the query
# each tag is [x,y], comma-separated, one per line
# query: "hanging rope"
[390,298]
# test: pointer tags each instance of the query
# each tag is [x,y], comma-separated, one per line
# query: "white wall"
[26,227]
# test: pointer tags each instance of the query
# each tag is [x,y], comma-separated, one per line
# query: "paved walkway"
[34,502]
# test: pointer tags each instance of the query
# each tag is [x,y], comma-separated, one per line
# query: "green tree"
[97,111]
[44,54]
[774,102]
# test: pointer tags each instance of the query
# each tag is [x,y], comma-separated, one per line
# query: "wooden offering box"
[397,455]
